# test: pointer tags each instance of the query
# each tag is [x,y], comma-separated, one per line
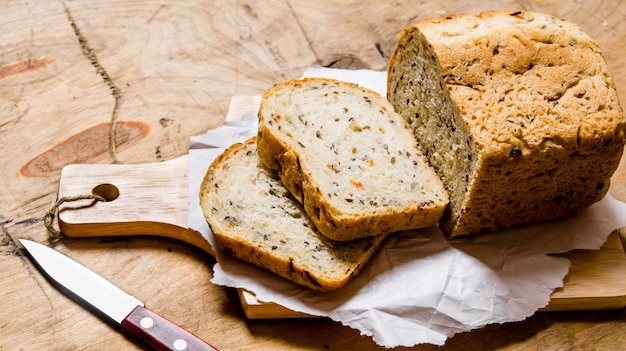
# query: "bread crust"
[532,96]
[295,169]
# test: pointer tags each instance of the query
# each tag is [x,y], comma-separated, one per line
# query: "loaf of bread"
[350,160]
[516,111]
[254,218]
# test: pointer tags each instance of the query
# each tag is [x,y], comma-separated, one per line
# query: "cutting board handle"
[142,199]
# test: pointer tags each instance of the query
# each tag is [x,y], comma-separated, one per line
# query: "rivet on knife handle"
[159,333]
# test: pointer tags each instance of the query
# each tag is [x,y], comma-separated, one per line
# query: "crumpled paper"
[420,287]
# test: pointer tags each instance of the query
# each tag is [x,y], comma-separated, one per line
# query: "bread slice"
[516,111]
[348,158]
[254,218]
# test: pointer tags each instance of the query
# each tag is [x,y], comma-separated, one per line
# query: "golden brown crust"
[533,95]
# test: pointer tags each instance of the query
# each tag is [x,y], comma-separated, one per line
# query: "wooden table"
[166,70]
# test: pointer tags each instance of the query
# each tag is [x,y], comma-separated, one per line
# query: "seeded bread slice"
[516,111]
[255,219]
[351,161]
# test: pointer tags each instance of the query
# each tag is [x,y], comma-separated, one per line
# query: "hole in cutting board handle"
[108,191]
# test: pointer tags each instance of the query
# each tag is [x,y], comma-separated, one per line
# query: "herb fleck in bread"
[515,110]
[351,161]
[254,218]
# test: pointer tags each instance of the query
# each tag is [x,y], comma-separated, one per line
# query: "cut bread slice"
[351,161]
[516,111]
[254,218]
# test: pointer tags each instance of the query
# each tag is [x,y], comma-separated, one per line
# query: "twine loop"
[48,219]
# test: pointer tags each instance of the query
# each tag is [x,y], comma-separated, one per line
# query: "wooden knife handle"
[161,334]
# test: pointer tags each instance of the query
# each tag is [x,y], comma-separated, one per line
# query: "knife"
[114,305]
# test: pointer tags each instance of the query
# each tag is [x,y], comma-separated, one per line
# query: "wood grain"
[174,65]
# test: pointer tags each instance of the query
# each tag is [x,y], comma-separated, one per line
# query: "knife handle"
[161,334]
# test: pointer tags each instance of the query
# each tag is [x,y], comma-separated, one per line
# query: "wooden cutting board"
[152,199]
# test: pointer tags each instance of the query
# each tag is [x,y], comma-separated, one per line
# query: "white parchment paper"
[420,287]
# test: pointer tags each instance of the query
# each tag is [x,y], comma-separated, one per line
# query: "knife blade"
[110,302]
